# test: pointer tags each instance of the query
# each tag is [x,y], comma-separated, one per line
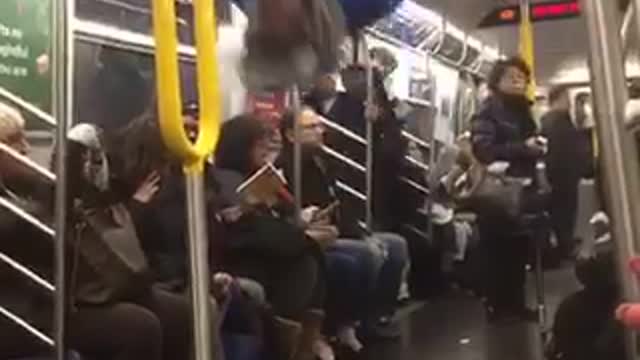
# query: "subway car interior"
[319,179]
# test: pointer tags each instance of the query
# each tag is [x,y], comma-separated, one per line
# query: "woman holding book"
[262,240]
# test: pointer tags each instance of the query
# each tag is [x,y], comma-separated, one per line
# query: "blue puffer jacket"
[358,13]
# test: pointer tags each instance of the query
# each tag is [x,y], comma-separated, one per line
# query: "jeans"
[352,269]
[389,280]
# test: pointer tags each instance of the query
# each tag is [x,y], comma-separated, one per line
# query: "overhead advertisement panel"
[446,80]
[24,50]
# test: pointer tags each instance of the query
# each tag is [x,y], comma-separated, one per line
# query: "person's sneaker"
[347,337]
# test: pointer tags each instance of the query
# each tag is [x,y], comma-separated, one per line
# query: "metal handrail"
[118,35]
[26,272]
[344,159]
[25,105]
[26,161]
[415,185]
[348,189]
[16,210]
[415,139]
[26,326]
[343,130]
[417,163]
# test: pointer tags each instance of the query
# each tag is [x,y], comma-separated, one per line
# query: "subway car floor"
[454,328]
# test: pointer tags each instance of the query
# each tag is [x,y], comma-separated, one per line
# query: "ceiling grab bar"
[619,153]
[192,155]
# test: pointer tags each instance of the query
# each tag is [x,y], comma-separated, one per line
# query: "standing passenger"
[566,164]
[504,131]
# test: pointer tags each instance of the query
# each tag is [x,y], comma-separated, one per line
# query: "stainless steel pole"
[632,13]
[62,12]
[627,24]
[297,152]
[199,265]
[371,101]
[620,159]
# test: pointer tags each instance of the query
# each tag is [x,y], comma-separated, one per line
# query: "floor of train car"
[454,328]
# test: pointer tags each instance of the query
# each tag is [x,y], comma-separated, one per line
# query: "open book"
[266,187]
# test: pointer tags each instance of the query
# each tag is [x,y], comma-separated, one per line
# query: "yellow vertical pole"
[192,155]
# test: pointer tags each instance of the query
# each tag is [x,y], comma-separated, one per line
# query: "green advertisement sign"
[24,50]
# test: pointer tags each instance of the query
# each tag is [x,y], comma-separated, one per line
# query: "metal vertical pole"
[297,152]
[632,15]
[371,101]
[620,159]
[199,265]
[627,24]
[62,12]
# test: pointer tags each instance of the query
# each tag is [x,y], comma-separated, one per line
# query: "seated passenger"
[393,202]
[584,326]
[161,224]
[379,275]
[263,242]
[20,240]
[108,296]
[319,199]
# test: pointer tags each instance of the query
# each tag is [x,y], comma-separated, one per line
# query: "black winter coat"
[319,188]
[499,132]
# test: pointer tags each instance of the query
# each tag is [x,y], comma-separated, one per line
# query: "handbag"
[109,264]
[493,195]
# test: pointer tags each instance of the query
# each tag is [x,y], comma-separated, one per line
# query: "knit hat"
[95,172]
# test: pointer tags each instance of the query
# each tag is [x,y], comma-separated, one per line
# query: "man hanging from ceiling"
[301,35]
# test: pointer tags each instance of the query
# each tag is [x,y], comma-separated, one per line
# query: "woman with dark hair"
[142,321]
[264,243]
[503,131]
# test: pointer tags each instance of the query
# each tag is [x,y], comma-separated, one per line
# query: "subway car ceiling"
[116,34]
[561,45]
[448,30]
[126,24]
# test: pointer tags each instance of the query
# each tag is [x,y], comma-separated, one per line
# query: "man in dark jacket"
[389,146]
[566,162]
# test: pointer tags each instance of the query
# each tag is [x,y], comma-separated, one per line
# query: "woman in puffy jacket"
[503,131]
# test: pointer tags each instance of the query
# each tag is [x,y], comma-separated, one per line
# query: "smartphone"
[326,212]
